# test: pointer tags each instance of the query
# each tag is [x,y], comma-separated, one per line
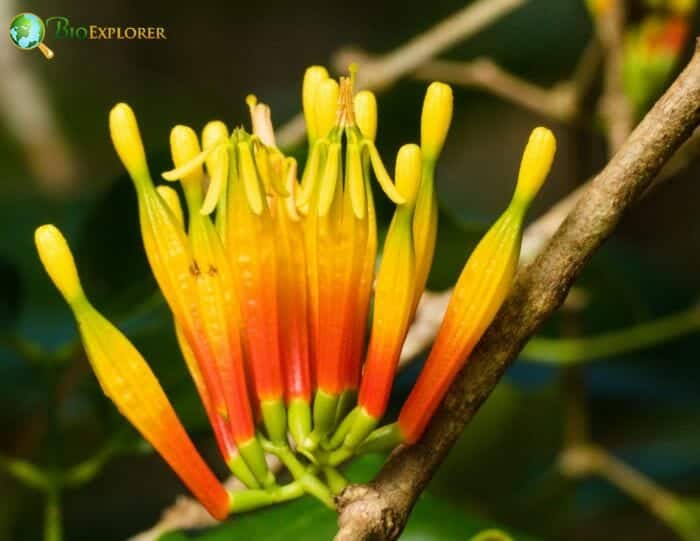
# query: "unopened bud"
[312,78]
[366,114]
[58,261]
[435,119]
[409,167]
[535,164]
[326,104]
[126,138]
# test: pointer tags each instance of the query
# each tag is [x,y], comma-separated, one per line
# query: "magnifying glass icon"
[27,31]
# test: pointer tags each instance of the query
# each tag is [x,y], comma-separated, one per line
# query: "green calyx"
[274,415]
[254,456]
[240,469]
[324,414]
[299,419]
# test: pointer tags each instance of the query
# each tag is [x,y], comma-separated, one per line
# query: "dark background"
[643,407]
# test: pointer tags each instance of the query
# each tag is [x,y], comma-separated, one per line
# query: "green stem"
[383,438]
[53,528]
[582,350]
[339,436]
[305,476]
[336,481]
[247,500]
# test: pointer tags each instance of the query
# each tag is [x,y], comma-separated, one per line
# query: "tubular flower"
[126,378]
[289,329]
[480,290]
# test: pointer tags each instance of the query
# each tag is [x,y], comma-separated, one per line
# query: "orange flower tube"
[294,311]
[127,380]
[393,303]
[361,227]
[251,247]
[219,304]
[169,254]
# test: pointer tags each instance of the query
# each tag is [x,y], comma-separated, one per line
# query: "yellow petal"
[382,176]
[249,176]
[217,164]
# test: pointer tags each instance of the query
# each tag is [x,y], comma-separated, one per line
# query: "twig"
[614,103]
[557,102]
[388,68]
[573,351]
[561,102]
[586,460]
[380,510]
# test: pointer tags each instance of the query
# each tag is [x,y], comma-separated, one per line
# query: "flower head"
[271,278]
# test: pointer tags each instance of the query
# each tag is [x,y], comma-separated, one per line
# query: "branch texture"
[380,510]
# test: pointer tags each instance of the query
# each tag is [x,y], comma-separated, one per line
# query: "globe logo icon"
[27,32]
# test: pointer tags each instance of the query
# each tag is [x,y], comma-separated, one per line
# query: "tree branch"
[380,510]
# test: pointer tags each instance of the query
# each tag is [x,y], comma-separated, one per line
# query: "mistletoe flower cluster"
[290,329]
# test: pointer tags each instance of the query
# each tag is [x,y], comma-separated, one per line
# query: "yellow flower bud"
[535,165]
[313,76]
[326,104]
[435,119]
[172,200]
[58,261]
[126,138]
[366,114]
[214,132]
[184,147]
[409,167]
